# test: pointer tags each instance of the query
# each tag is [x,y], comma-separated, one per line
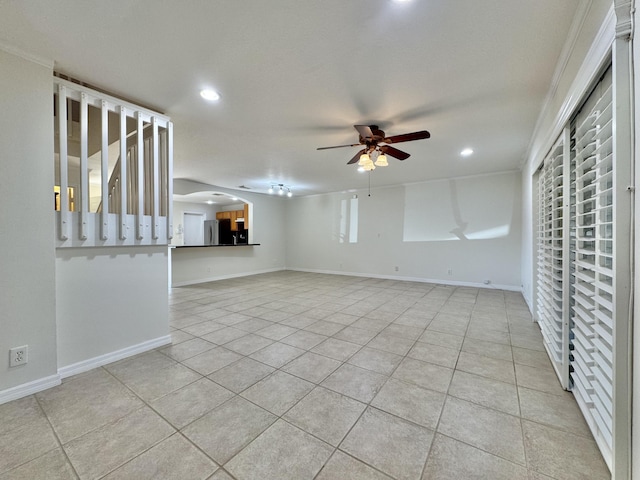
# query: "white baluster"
[104,174]
[169,180]
[123,174]
[64,170]
[156,179]
[84,169]
[140,192]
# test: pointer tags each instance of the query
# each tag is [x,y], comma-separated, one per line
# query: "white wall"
[469,226]
[201,264]
[27,282]
[635,425]
[109,299]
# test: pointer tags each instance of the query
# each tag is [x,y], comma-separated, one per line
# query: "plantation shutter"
[592,293]
[551,258]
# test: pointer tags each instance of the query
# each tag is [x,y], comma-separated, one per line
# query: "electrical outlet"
[450,271]
[18,355]
[397,268]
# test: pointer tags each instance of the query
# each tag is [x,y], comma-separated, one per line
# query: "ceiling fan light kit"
[381,161]
[364,159]
[376,143]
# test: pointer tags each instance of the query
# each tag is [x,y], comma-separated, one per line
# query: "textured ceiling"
[296,75]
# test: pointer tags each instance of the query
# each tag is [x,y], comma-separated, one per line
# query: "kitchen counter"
[224,245]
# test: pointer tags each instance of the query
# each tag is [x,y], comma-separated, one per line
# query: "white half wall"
[27,275]
[192,265]
[462,231]
[109,299]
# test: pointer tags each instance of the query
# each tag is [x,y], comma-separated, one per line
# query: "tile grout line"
[515,375]
[180,430]
[176,430]
[60,445]
[318,385]
[444,404]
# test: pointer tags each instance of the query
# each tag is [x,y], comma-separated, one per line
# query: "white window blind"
[550,304]
[575,294]
[592,293]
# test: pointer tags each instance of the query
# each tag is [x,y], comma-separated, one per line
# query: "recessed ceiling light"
[361,169]
[210,95]
[466,152]
[210,202]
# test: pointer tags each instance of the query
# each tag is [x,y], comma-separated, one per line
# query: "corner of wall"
[27,263]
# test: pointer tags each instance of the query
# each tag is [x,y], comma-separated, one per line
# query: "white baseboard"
[41,384]
[91,363]
[528,302]
[29,388]
[492,286]
[225,277]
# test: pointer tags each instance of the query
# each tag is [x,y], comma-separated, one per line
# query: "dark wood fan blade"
[356,157]
[364,131]
[394,152]
[340,146]
[408,137]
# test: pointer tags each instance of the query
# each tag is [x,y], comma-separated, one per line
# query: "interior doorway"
[193,228]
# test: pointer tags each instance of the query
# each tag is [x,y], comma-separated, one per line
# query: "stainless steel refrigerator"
[211,232]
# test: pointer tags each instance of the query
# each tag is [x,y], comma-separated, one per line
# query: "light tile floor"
[300,376]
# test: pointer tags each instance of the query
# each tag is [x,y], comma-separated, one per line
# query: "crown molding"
[12,50]
[596,56]
[624,15]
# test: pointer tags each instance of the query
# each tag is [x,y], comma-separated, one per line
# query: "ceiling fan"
[377,143]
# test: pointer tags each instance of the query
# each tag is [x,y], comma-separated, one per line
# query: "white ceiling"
[295,75]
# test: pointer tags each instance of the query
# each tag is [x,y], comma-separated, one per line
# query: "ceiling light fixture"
[210,95]
[466,152]
[367,164]
[381,161]
[281,189]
